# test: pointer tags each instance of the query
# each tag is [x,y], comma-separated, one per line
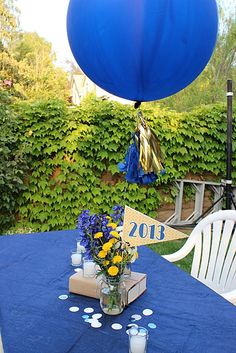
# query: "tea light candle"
[137,339]
[76,259]
[89,268]
[138,344]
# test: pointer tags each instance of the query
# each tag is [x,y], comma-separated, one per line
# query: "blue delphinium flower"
[118,214]
[90,224]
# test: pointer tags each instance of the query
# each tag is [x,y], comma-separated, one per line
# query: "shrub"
[73,155]
[12,164]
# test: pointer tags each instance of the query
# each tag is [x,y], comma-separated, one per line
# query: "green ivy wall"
[73,153]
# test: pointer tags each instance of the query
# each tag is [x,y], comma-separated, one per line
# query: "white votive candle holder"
[76,258]
[138,337]
[89,268]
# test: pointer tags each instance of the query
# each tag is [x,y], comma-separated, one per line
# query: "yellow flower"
[112,225]
[107,246]
[113,270]
[106,262]
[113,241]
[98,235]
[117,259]
[30,132]
[108,218]
[102,254]
[114,234]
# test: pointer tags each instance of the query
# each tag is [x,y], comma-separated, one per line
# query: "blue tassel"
[133,169]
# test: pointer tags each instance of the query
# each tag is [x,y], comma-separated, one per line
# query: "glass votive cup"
[89,268]
[80,247]
[138,337]
[127,271]
[76,258]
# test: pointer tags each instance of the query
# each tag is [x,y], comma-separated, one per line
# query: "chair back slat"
[216,236]
[225,238]
[197,256]
[228,264]
[206,247]
[231,279]
[233,283]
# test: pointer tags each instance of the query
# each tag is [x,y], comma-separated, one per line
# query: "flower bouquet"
[101,235]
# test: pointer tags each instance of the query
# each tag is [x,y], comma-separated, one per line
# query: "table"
[34,271]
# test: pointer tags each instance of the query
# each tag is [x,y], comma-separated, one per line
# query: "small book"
[135,285]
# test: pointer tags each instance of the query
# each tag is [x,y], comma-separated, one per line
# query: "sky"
[48,19]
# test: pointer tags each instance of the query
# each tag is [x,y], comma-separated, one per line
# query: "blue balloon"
[142,50]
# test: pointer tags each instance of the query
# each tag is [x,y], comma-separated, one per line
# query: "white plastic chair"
[214,260]
[1,347]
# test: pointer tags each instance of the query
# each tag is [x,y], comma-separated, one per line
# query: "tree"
[222,65]
[40,77]
[27,68]
[210,86]
[8,21]
[9,68]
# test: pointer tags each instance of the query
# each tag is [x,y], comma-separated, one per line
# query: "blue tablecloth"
[34,271]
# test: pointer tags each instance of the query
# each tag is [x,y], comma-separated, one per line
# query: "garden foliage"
[12,163]
[73,152]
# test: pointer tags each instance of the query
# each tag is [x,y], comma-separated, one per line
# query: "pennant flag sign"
[139,229]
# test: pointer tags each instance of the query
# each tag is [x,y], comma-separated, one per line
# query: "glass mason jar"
[112,296]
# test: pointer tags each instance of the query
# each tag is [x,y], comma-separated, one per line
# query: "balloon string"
[137,104]
[141,118]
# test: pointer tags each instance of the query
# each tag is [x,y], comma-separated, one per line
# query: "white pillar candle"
[76,259]
[138,344]
[89,268]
